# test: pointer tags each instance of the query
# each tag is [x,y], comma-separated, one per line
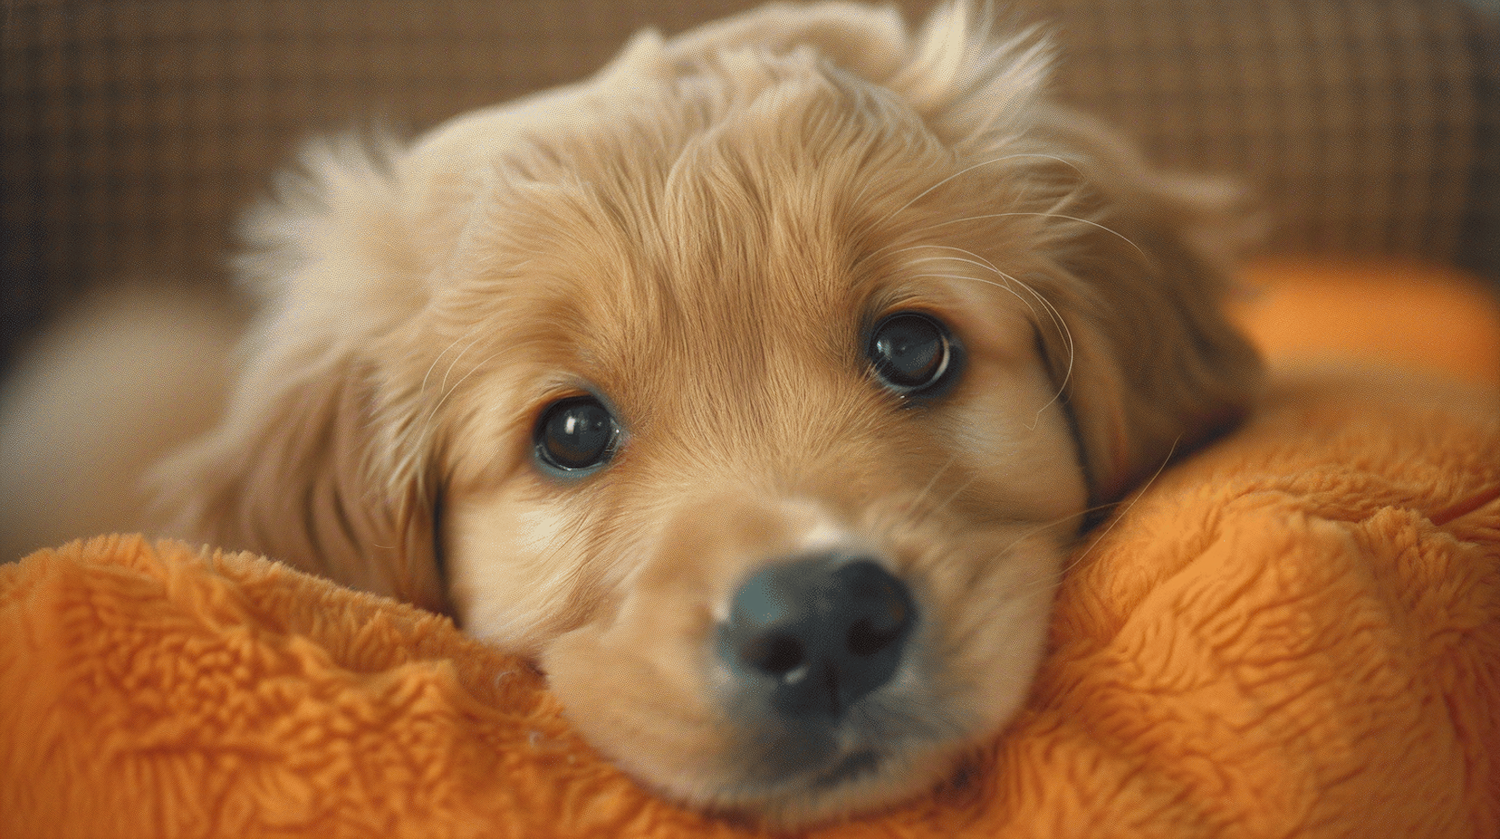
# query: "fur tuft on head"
[967,83]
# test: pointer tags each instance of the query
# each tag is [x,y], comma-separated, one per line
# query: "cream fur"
[699,234]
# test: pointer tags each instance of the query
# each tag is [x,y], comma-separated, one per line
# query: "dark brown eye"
[576,434]
[914,354]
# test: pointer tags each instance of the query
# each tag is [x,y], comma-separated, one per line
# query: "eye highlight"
[575,435]
[914,354]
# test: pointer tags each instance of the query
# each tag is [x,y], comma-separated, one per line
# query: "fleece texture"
[1294,632]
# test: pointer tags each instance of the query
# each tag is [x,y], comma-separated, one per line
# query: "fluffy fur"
[701,235]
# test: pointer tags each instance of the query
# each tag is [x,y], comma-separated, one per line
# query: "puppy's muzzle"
[808,637]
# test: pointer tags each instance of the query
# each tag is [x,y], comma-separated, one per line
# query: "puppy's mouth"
[853,767]
[780,768]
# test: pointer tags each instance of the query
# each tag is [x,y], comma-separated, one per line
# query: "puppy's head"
[754,387]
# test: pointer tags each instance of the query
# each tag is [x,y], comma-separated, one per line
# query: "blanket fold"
[1294,632]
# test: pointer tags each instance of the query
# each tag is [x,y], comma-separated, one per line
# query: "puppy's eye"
[914,354]
[576,434]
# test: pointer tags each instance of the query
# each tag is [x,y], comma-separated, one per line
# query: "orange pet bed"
[1295,632]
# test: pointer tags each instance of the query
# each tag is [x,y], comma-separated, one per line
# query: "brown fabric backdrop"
[135,130]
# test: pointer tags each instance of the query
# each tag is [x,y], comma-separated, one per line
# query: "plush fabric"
[1293,632]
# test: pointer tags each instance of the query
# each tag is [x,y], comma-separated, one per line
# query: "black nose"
[814,635]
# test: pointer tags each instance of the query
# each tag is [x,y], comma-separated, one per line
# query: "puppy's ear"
[1144,353]
[313,463]
[1132,263]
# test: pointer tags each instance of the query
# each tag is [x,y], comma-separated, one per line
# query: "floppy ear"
[1152,364]
[310,465]
[1132,263]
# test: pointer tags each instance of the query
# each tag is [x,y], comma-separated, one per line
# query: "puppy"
[756,388]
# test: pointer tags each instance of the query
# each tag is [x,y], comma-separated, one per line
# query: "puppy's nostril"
[865,638]
[774,653]
[883,609]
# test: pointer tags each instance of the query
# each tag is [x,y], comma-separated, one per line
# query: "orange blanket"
[1295,632]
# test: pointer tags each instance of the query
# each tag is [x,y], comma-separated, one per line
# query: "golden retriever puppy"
[756,388]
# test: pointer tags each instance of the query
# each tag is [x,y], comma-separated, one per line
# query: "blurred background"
[134,131]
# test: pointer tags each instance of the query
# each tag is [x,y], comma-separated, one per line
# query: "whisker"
[1048,525]
[1111,231]
[922,496]
[1056,577]
[447,391]
[953,496]
[885,524]
[1052,313]
[997,271]
[444,386]
[1061,325]
[974,279]
[924,193]
[470,331]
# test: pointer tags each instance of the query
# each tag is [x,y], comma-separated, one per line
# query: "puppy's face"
[754,388]
[729,402]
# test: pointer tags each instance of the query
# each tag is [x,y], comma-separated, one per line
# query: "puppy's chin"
[649,684]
